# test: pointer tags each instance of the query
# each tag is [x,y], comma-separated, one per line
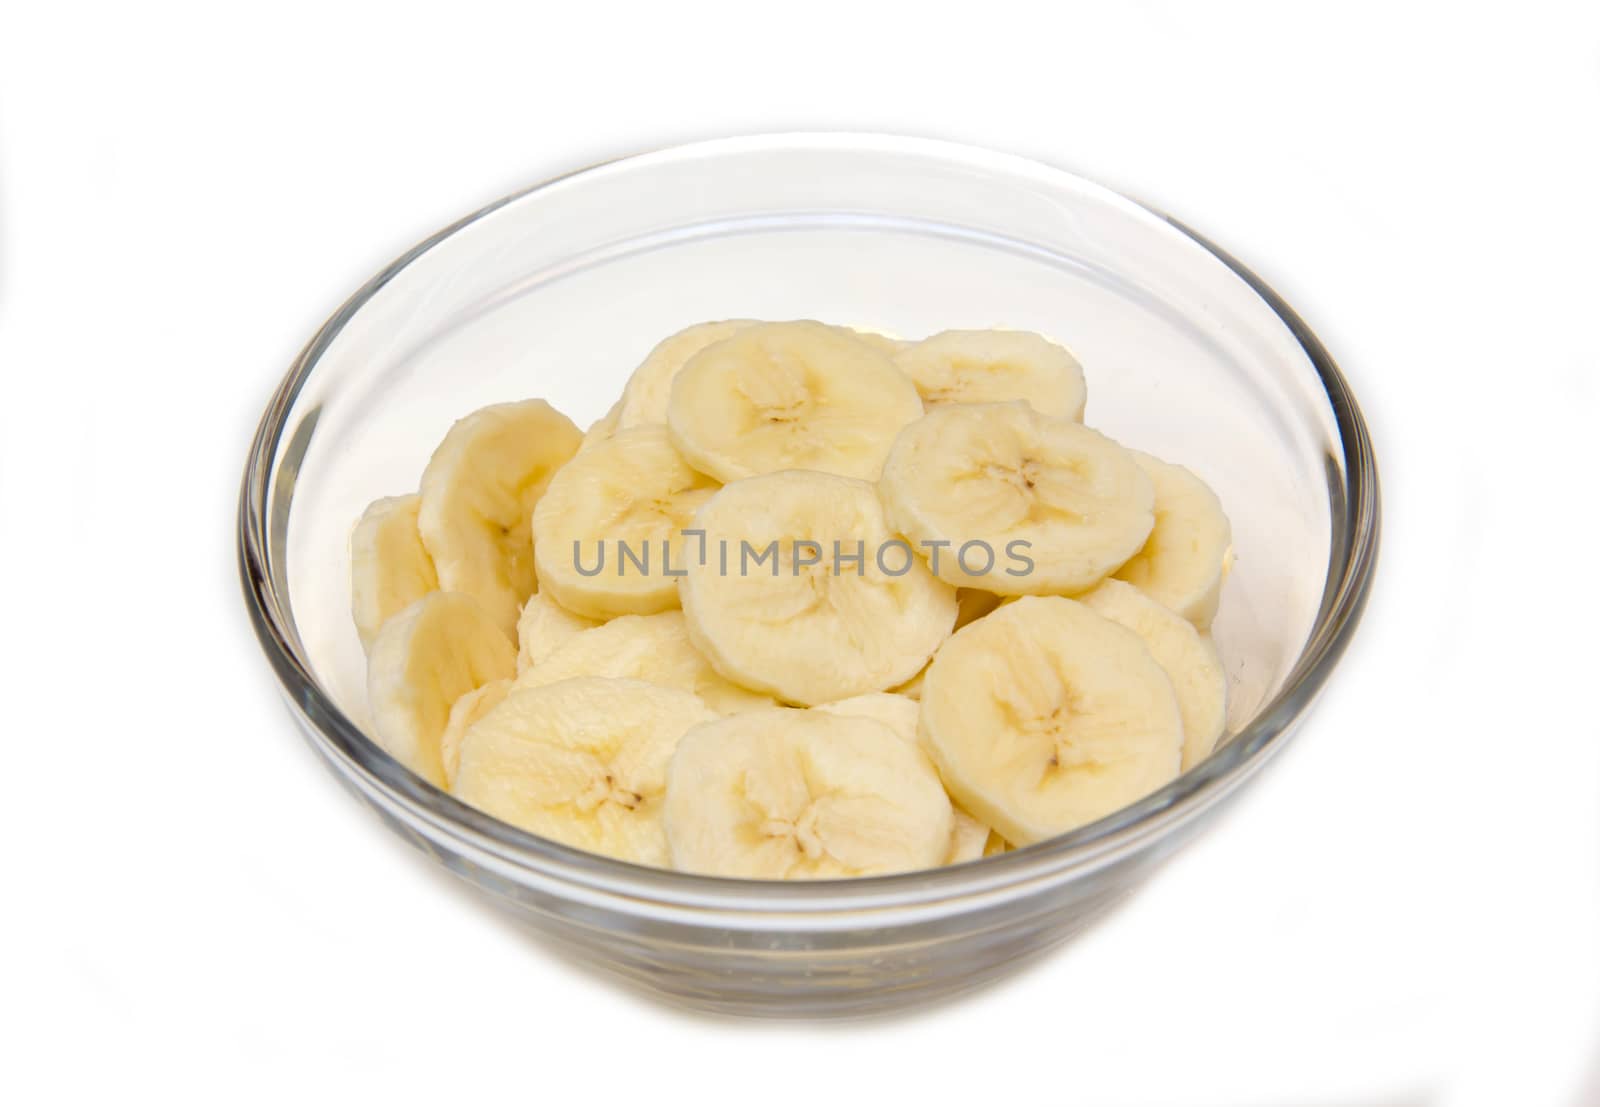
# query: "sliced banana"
[983,367]
[777,396]
[1189,658]
[424,659]
[602,428]
[581,762]
[478,495]
[1044,716]
[644,397]
[389,567]
[610,525]
[652,648]
[802,624]
[1186,558]
[898,713]
[1004,499]
[968,836]
[787,794]
[543,626]
[883,343]
[466,711]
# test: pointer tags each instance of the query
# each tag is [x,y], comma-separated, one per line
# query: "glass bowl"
[560,290]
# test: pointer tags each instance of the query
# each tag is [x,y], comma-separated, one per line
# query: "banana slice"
[968,836]
[389,567]
[1044,716]
[777,396]
[423,660]
[602,428]
[1187,556]
[898,713]
[644,397]
[1004,499]
[1189,658]
[581,762]
[543,626]
[883,343]
[652,648]
[610,525]
[796,795]
[478,495]
[810,629]
[466,711]
[983,367]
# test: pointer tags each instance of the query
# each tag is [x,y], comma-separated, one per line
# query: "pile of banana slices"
[798,607]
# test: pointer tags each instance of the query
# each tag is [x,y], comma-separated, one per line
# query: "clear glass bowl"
[559,291]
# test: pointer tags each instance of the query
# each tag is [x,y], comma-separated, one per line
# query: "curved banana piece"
[985,367]
[1189,658]
[883,343]
[602,428]
[778,396]
[610,526]
[466,711]
[478,495]
[1186,558]
[898,713]
[652,648]
[1013,502]
[389,567]
[810,631]
[644,397]
[543,626]
[1044,716]
[581,762]
[799,795]
[423,660]
[968,836]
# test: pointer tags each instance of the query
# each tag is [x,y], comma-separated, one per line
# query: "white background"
[1406,911]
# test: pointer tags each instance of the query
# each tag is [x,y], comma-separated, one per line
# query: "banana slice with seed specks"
[581,762]
[979,477]
[1187,556]
[777,396]
[982,367]
[544,626]
[810,630]
[389,567]
[1189,658]
[644,397]
[478,496]
[651,648]
[466,711]
[1044,716]
[789,794]
[423,660]
[968,836]
[610,526]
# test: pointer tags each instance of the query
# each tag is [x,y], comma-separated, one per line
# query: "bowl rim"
[1354,539]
